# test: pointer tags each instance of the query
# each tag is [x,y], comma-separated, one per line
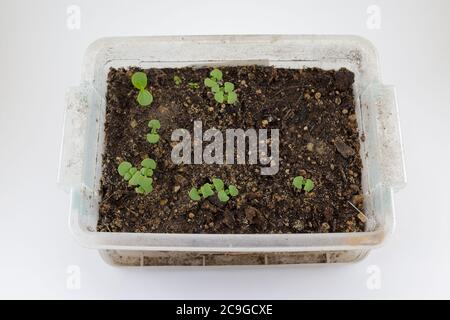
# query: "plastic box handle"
[74,131]
[392,164]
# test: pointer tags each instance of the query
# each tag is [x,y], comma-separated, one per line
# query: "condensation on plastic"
[381,149]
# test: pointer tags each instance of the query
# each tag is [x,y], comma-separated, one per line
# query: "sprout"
[219,96]
[139,81]
[209,82]
[124,167]
[193,85]
[218,184]
[149,163]
[140,179]
[144,98]
[135,179]
[177,80]
[216,74]
[223,196]
[194,195]
[222,93]
[233,190]
[153,136]
[228,87]
[231,97]
[299,182]
[207,191]
[309,185]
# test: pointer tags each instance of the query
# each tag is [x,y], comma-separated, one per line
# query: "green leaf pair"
[177,80]
[222,93]
[153,136]
[140,179]
[139,81]
[207,191]
[299,182]
[193,85]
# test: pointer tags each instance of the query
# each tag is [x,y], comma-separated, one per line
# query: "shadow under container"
[381,149]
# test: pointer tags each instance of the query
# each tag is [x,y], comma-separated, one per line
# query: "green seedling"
[177,80]
[216,74]
[223,196]
[204,191]
[223,91]
[300,183]
[141,179]
[233,191]
[153,136]
[207,190]
[309,185]
[194,194]
[218,184]
[139,81]
[193,85]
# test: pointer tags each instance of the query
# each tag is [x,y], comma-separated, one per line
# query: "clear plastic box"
[381,150]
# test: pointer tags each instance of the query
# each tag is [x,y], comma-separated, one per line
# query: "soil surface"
[315,113]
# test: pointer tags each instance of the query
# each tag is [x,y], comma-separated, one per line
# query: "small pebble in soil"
[325,227]
[358,199]
[298,225]
[344,149]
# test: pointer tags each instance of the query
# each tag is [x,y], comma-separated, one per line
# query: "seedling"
[193,85]
[223,92]
[309,185]
[299,182]
[139,81]
[207,190]
[204,191]
[140,179]
[153,136]
[177,80]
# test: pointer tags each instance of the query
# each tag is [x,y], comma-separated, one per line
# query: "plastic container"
[381,150]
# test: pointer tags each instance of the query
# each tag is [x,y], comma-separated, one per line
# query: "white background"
[40,57]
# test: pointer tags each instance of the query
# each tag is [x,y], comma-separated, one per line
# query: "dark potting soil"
[315,113]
